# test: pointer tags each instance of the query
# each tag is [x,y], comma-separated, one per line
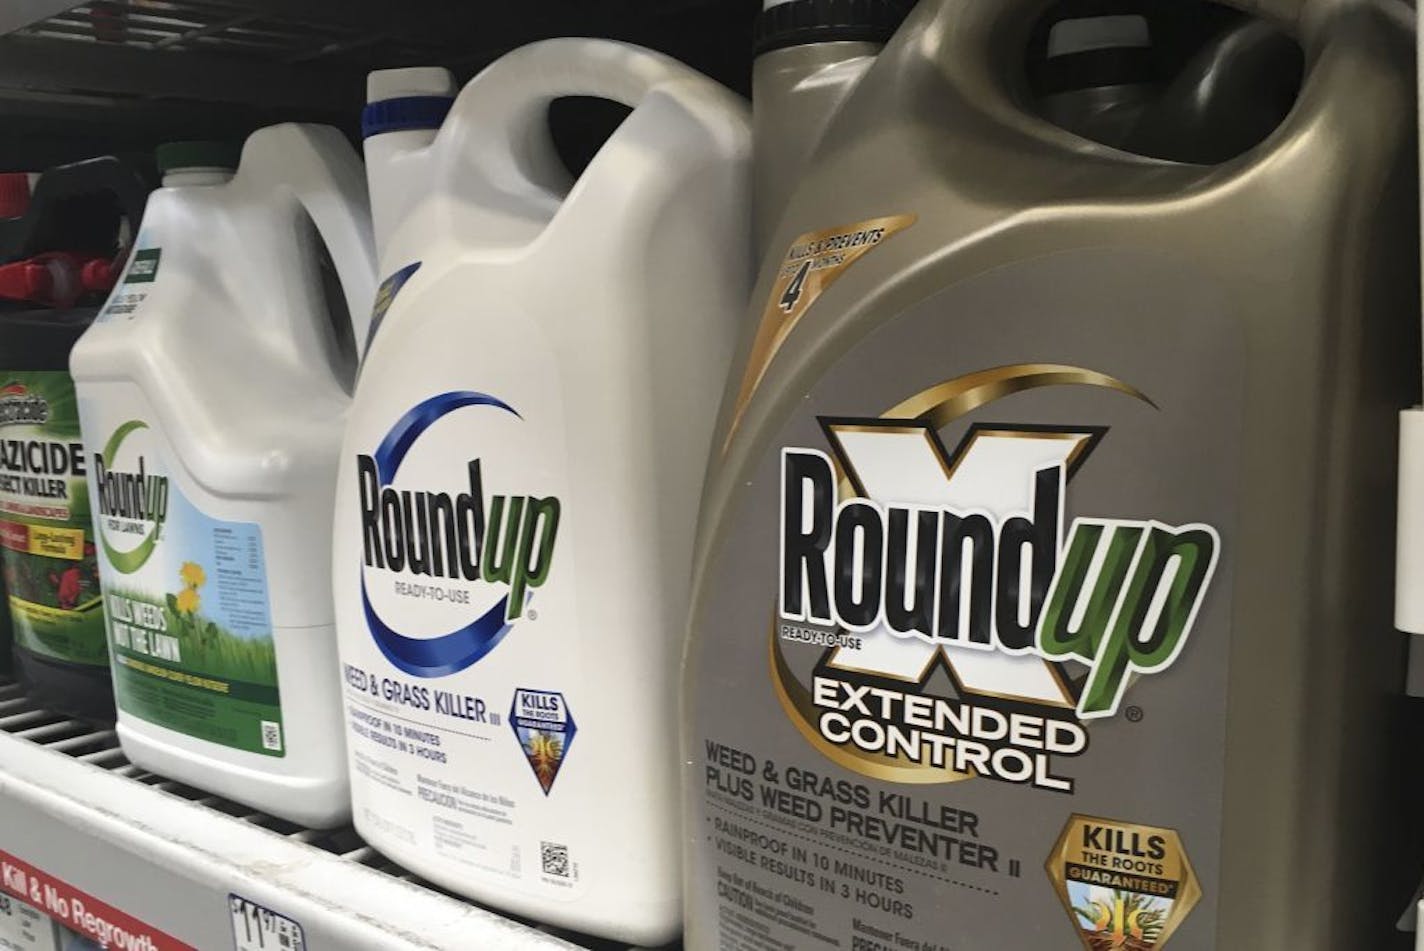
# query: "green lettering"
[536,551]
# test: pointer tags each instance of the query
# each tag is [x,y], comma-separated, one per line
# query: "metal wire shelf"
[343,865]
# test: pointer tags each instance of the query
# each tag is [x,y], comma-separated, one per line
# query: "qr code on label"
[555,859]
[271,736]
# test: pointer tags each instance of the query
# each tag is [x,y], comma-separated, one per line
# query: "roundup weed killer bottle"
[1043,592]
[212,391]
[519,481]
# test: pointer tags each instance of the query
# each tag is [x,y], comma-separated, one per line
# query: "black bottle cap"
[803,22]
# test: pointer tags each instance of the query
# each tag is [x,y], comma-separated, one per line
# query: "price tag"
[257,928]
[23,928]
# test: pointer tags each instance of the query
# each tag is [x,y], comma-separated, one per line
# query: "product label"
[457,687]
[814,262]
[385,297]
[545,728]
[46,546]
[959,665]
[186,599]
[1124,886]
[258,928]
[134,287]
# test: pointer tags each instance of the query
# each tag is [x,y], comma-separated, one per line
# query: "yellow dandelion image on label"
[188,601]
[192,574]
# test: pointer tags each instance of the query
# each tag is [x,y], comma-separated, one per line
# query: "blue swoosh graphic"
[453,652]
[438,656]
[410,427]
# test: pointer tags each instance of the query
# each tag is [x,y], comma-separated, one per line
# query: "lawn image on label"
[181,669]
[170,655]
[187,604]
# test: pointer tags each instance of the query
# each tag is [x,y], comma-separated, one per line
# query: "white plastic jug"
[519,482]
[212,393]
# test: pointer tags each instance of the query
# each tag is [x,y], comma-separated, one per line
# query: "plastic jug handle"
[319,169]
[76,207]
[509,98]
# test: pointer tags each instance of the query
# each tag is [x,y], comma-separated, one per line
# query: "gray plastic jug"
[1043,593]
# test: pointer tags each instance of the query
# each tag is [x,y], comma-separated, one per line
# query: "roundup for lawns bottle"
[212,392]
[1042,598]
[519,481]
[76,228]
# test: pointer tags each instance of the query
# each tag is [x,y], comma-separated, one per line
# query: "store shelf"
[125,74]
[172,857]
[264,60]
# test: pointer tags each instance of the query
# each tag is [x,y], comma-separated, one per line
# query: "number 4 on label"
[796,288]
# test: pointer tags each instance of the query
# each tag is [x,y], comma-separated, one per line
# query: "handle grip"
[77,207]
[509,100]
[321,172]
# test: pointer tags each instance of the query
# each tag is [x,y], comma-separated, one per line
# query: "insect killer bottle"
[519,481]
[79,224]
[47,543]
[1042,597]
[212,391]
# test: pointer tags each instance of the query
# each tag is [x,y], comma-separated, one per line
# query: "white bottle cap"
[1085,34]
[386,84]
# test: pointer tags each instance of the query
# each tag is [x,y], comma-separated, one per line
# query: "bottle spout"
[404,111]
[810,55]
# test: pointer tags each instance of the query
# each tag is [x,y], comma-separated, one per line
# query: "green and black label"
[139,277]
[144,267]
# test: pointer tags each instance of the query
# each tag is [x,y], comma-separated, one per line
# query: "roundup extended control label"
[46,546]
[185,596]
[959,656]
[455,692]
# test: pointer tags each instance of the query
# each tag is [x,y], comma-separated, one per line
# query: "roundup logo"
[500,542]
[132,501]
[964,628]
[20,407]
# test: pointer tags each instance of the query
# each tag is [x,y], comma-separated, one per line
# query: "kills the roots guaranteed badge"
[1127,887]
[545,729]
